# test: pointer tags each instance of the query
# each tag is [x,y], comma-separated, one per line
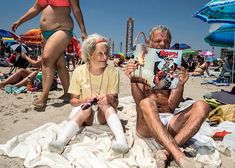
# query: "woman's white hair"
[89,45]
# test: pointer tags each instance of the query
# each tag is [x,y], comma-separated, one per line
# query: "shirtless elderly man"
[152,107]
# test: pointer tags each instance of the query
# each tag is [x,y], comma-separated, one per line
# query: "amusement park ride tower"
[129,36]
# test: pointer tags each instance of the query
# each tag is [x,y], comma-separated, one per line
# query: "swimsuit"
[57,3]
[47,33]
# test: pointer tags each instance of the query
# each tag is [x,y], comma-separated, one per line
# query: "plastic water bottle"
[29,84]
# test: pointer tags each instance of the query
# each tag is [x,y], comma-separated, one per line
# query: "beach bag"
[213,103]
[222,113]
[38,82]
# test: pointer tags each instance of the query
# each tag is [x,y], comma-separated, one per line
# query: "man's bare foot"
[161,157]
[189,162]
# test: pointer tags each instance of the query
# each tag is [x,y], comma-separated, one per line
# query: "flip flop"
[66,99]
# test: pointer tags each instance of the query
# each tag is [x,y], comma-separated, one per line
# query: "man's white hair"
[160,28]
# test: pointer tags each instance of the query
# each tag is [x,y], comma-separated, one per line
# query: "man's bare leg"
[138,94]
[185,125]
[160,133]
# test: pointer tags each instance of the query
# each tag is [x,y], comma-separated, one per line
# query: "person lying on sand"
[20,77]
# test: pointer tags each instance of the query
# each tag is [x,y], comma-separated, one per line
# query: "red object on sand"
[220,135]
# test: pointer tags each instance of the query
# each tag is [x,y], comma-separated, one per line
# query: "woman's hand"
[103,100]
[84,36]
[15,25]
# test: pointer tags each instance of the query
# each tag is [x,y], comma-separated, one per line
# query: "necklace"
[91,88]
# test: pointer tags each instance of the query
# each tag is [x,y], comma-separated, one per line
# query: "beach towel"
[223,97]
[216,82]
[92,147]
[222,113]
[10,89]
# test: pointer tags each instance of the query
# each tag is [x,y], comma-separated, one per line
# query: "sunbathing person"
[155,109]
[94,81]
[227,67]
[201,67]
[19,78]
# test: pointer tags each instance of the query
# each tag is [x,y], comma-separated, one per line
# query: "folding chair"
[19,63]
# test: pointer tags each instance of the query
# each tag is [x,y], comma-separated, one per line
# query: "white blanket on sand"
[92,147]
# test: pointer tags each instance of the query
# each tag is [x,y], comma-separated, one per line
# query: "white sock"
[115,125]
[74,112]
[70,130]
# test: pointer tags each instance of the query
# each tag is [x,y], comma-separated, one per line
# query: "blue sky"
[109,17]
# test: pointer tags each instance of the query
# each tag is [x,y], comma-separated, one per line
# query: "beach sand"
[18,115]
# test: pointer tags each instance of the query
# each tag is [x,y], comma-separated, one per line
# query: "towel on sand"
[92,147]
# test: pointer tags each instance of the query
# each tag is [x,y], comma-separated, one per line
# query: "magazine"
[157,66]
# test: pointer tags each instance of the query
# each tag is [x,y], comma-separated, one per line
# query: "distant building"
[129,36]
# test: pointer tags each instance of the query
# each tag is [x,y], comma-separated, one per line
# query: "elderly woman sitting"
[94,82]
[201,67]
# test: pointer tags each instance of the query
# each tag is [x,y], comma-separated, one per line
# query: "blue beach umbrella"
[182,46]
[222,37]
[217,11]
[7,34]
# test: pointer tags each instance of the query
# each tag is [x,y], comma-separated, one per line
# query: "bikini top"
[57,3]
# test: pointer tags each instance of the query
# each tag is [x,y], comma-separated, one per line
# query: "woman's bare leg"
[23,82]
[64,77]
[15,78]
[53,49]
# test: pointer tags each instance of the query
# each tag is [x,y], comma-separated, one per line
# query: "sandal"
[65,98]
[38,104]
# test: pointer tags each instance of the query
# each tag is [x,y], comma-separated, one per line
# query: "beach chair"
[19,63]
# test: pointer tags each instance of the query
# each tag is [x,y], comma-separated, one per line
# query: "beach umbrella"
[119,55]
[182,46]
[206,53]
[8,41]
[222,37]
[7,34]
[20,48]
[32,37]
[189,52]
[76,43]
[217,11]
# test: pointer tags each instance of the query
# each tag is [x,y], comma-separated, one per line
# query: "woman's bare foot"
[161,157]
[39,104]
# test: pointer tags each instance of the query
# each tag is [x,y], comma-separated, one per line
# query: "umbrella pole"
[233,56]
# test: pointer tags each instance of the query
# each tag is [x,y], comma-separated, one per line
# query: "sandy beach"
[18,115]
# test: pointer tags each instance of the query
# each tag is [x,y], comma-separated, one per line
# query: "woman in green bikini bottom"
[57,25]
